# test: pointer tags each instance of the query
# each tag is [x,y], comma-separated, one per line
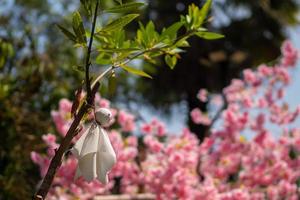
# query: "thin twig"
[208,131]
[108,70]
[89,50]
[217,115]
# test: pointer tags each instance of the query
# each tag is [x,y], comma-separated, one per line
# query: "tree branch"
[89,50]
[217,115]
[208,131]
[56,160]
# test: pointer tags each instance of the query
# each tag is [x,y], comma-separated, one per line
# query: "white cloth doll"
[94,151]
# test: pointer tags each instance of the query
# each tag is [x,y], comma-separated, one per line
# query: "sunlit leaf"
[176,51]
[183,43]
[119,23]
[118,50]
[204,11]
[78,28]
[123,8]
[136,71]
[150,30]
[103,59]
[147,36]
[171,61]
[171,31]
[209,35]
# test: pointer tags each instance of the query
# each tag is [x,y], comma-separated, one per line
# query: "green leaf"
[119,23]
[123,8]
[171,31]
[67,33]
[142,37]
[147,36]
[171,61]
[117,50]
[150,29]
[136,71]
[209,35]
[79,68]
[298,182]
[176,51]
[88,6]
[293,153]
[183,43]
[119,1]
[79,28]
[103,59]
[204,11]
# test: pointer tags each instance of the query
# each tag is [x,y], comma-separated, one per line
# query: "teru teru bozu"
[94,151]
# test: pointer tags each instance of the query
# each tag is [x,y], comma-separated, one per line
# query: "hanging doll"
[94,151]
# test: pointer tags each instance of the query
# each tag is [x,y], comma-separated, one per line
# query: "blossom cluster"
[225,166]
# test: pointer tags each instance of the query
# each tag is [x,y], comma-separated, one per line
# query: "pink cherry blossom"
[202,95]
[126,120]
[199,118]
[225,166]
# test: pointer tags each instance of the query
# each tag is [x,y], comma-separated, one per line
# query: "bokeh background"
[36,70]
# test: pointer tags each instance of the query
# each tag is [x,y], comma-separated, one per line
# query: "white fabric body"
[95,154]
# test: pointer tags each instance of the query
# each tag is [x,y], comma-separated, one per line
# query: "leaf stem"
[108,70]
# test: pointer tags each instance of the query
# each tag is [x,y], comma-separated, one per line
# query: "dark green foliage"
[298,183]
[293,153]
[78,29]
[6,53]
[36,74]
[67,33]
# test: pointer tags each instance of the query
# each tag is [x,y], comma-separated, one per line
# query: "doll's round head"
[103,116]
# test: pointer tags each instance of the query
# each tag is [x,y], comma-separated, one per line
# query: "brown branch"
[56,160]
[217,115]
[73,130]
[208,131]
